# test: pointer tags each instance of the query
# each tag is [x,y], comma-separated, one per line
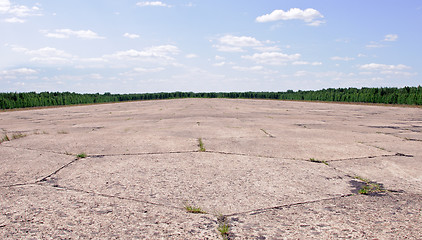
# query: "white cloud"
[374,45]
[162,55]
[4,6]
[17,11]
[253,68]
[306,63]
[154,4]
[337,58]
[377,66]
[267,48]
[272,58]
[146,70]
[219,64]
[391,37]
[242,41]
[219,58]
[131,36]
[66,33]
[230,43]
[309,15]
[225,48]
[46,55]
[14,20]
[20,71]
[191,55]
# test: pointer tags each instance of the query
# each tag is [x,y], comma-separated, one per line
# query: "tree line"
[406,95]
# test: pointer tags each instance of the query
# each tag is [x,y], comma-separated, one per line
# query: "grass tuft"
[224,230]
[318,161]
[201,145]
[4,139]
[194,209]
[81,155]
[369,187]
[223,227]
[18,135]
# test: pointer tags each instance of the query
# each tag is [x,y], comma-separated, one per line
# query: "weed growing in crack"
[81,155]
[194,209]
[317,161]
[18,135]
[223,227]
[369,187]
[201,145]
[4,139]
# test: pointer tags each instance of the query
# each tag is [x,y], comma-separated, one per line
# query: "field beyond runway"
[268,170]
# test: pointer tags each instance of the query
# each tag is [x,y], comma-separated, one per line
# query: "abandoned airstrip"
[211,169]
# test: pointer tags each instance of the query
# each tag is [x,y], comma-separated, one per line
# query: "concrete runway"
[270,170]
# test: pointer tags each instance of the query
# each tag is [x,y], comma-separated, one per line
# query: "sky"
[135,46]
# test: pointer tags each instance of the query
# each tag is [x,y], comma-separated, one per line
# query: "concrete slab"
[396,173]
[21,166]
[217,183]
[390,216]
[44,212]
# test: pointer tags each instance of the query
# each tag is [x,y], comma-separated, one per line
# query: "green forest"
[406,95]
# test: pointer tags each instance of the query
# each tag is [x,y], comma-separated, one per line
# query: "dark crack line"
[40,150]
[58,170]
[378,156]
[109,195]
[17,185]
[263,210]
[140,154]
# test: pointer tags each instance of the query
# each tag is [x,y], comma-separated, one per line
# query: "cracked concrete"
[143,165]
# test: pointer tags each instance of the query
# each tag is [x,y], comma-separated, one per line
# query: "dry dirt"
[270,170]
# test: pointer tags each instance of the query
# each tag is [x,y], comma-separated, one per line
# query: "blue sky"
[132,46]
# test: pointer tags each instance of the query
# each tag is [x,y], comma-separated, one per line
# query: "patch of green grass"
[62,132]
[201,145]
[81,155]
[223,227]
[369,187]
[318,161]
[194,209]
[18,135]
[224,230]
[4,139]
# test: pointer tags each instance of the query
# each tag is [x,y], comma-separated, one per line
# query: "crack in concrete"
[378,156]
[140,154]
[57,170]
[263,210]
[40,150]
[108,195]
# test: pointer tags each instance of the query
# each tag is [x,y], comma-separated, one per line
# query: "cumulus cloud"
[309,15]
[18,12]
[306,63]
[391,37]
[230,43]
[253,68]
[154,4]
[162,55]
[131,36]
[377,66]
[191,55]
[337,58]
[67,33]
[272,58]
[20,71]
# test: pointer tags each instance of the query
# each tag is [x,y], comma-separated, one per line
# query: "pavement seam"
[378,156]
[107,195]
[57,170]
[263,210]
